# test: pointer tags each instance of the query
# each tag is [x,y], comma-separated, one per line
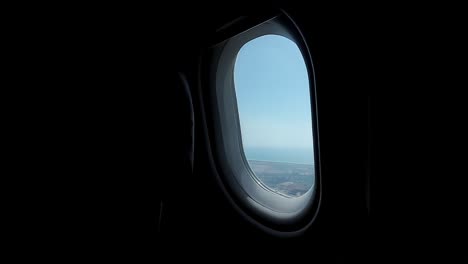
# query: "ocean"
[301,156]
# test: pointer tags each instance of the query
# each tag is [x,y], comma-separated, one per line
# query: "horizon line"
[282,162]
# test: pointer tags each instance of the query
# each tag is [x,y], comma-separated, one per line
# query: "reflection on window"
[272,90]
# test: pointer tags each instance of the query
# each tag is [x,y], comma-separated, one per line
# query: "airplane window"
[272,89]
[261,123]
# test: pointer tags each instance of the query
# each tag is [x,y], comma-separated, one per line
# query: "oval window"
[262,124]
[273,99]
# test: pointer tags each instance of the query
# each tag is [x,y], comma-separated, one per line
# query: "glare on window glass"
[272,90]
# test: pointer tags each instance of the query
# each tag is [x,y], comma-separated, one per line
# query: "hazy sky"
[272,88]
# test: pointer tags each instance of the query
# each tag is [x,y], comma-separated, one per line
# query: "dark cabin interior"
[132,155]
[131,132]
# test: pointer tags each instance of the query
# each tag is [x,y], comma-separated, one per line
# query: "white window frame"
[269,209]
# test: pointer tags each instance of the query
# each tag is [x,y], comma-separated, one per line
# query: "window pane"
[272,90]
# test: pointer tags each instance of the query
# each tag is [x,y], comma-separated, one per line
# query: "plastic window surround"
[290,214]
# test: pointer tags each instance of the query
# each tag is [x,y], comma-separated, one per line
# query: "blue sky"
[272,89]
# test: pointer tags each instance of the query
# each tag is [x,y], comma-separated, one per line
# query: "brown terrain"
[287,178]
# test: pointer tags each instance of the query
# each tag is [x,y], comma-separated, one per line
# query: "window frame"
[270,210]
